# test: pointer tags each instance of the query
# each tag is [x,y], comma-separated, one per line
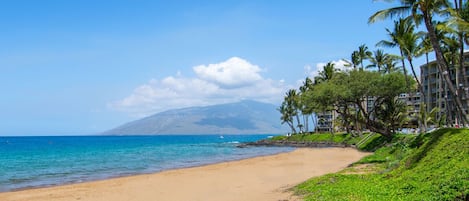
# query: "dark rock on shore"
[285,143]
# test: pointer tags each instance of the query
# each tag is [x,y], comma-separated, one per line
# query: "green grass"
[340,138]
[321,137]
[434,166]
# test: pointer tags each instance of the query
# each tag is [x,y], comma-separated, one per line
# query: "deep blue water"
[30,162]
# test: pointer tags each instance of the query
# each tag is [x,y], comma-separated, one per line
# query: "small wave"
[233,142]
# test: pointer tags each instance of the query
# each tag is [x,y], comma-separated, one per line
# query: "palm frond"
[389,13]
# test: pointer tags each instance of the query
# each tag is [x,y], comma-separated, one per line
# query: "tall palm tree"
[363,53]
[459,22]
[287,114]
[409,44]
[426,10]
[401,28]
[425,47]
[293,100]
[305,107]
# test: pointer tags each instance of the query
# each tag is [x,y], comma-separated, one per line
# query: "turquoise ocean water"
[31,162]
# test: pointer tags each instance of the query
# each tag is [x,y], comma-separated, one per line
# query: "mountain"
[245,117]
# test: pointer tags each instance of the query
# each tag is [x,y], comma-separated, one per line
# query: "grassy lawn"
[434,166]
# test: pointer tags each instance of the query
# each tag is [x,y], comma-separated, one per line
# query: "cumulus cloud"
[234,72]
[232,80]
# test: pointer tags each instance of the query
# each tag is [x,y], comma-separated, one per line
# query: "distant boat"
[221,137]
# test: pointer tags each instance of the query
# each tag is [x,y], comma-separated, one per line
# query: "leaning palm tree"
[287,114]
[293,100]
[425,10]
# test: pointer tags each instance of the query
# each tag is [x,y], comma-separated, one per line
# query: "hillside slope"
[245,117]
[434,166]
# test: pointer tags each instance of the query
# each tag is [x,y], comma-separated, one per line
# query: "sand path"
[257,179]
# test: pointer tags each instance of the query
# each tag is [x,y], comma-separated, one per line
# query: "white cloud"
[234,72]
[228,81]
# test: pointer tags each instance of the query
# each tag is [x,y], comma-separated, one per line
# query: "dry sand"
[263,178]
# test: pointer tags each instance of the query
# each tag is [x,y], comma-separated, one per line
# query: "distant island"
[244,117]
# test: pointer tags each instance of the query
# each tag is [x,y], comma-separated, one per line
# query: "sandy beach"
[262,178]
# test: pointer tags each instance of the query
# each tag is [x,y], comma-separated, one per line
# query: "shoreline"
[258,178]
[203,164]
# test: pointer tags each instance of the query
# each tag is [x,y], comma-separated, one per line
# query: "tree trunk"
[305,120]
[315,122]
[299,123]
[442,66]
[463,71]
[291,126]
[405,70]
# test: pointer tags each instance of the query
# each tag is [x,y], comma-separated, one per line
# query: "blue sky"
[82,67]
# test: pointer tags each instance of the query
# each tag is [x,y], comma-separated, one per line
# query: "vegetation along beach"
[234,100]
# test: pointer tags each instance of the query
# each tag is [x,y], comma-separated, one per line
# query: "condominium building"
[436,92]
[412,100]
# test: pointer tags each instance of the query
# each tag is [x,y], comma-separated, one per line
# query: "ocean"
[32,162]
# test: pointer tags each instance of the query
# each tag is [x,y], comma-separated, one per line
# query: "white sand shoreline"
[258,178]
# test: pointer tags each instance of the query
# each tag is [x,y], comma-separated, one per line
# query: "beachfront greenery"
[364,142]
[420,28]
[432,166]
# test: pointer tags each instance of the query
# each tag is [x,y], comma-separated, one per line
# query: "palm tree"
[425,47]
[305,107]
[293,100]
[409,44]
[326,74]
[401,28]
[354,60]
[425,10]
[459,22]
[363,53]
[391,64]
[378,59]
[287,114]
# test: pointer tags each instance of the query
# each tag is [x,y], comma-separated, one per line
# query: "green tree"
[347,89]
[425,10]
